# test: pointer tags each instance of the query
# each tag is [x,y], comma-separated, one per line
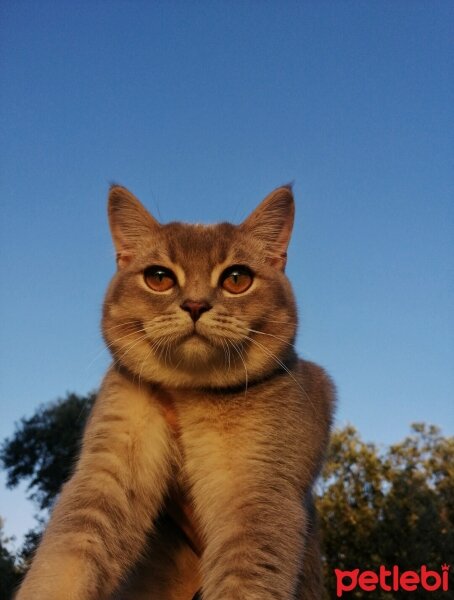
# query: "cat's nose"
[195,308]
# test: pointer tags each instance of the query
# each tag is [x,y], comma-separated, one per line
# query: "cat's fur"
[199,458]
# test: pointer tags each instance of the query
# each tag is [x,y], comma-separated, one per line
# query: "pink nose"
[195,309]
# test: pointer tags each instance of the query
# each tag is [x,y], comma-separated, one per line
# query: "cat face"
[200,305]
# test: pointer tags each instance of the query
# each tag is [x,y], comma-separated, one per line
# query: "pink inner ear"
[123,259]
[279,262]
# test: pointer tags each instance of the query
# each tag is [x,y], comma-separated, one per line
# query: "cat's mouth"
[196,336]
[195,350]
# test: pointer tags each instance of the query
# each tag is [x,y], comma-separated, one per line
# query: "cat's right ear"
[272,223]
[130,223]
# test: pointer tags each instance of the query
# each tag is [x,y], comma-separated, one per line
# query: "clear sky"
[201,108]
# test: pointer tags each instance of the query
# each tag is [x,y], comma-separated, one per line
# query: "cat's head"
[200,305]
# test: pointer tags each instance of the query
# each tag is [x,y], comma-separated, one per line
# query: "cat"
[198,461]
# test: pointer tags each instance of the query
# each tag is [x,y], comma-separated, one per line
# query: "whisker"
[228,355]
[244,364]
[108,346]
[272,335]
[131,346]
[159,347]
[124,324]
[167,349]
[96,357]
[163,318]
[116,340]
[226,349]
[232,318]
[278,322]
[284,366]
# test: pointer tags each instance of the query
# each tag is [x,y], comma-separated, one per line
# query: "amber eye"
[236,279]
[159,279]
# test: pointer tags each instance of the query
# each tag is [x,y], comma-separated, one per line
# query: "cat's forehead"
[197,245]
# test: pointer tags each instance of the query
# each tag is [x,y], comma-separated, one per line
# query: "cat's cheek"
[113,311]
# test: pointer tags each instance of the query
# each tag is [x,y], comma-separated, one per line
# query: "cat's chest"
[179,504]
[208,432]
[191,413]
[215,439]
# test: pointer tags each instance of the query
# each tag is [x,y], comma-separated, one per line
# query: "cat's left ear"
[130,224]
[272,223]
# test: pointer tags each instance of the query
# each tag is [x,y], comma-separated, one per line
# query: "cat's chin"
[196,351]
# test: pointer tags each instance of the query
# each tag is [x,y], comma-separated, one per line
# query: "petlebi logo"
[392,580]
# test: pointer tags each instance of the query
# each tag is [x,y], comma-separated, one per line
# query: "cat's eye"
[159,279]
[236,279]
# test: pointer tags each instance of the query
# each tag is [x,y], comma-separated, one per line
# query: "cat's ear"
[272,222]
[130,223]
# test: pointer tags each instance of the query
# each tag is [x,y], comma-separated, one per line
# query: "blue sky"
[202,108]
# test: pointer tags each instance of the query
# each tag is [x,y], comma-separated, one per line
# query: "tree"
[391,506]
[42,452]
[394,507]
[44,447]
[10,574]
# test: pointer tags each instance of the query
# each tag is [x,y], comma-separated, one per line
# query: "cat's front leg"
[249,506]
[100,522]
[254,550]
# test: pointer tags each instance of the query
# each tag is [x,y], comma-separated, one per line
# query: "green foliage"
[45,446]
[10,574]
[393,507]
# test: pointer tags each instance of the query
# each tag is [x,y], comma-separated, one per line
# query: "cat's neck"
[286,364]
